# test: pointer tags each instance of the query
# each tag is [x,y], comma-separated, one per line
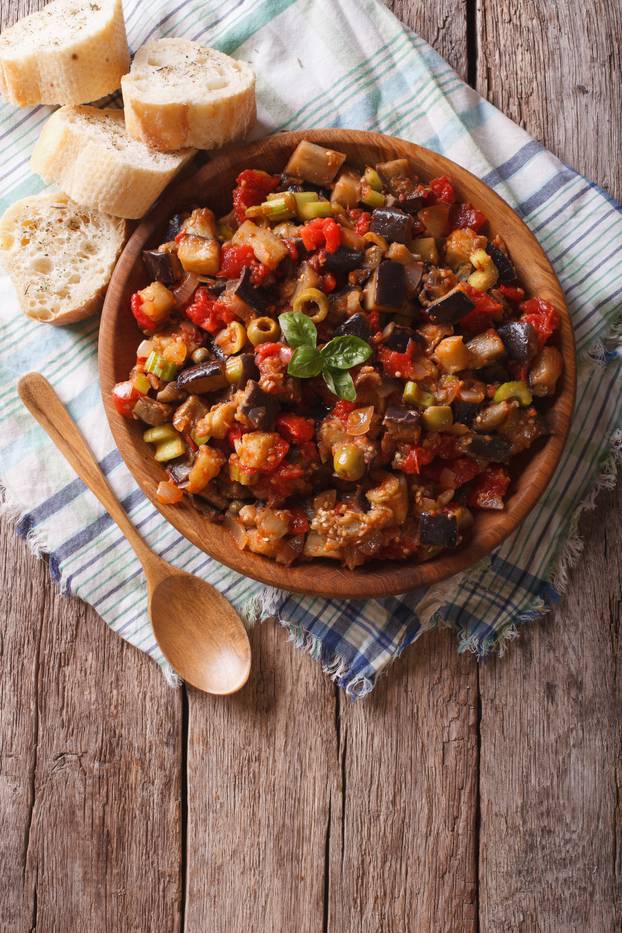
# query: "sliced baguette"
[179,93]
[70,52]
[59,256]
[88,154]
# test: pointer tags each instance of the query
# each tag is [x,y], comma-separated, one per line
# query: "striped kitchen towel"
[321,63]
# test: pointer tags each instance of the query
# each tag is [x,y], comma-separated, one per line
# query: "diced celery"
[141,383]
[518,390]
[373,179]
[372,198]
[312,209]
[160,367]
[161,432]
[414,395]
[170,450]
[304,197]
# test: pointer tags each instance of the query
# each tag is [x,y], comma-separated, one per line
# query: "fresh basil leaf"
[345,352]
[340,383]
[298,329]
[305,363]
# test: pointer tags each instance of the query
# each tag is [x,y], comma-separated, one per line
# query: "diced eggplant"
[314,163]
[152,412]
[451,307]
[505,266]
[205,377]
[387,287]
[174,227]
[163,267]
[357,325]
[489,447]
[402,424]
[394,168]
[248,293]
[392,224]
[485,348]
[260,407]
[343,260]
[438,529]
[179,472]
[396,337]
[520,340]
[545,371]
[464,412]
[216,286]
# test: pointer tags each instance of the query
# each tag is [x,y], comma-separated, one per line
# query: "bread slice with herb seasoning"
[70,52]
[59,256]
[87,153]
[179,93]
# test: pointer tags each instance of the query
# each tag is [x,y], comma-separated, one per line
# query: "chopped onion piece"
[237,532]
[359,421]
[185,290]
[144,349]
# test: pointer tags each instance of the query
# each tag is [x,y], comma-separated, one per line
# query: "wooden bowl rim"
[318,577]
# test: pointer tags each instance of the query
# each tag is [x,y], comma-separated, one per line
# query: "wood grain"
[551,758]
[551,830]
[551,822]
[119,336]
[265,775]
[89,766]
[403,845]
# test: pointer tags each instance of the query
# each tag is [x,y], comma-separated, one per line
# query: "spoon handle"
[44,404]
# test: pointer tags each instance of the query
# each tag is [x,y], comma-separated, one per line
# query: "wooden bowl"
[119,336]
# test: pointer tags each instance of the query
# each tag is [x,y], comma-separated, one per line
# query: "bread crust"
[164,116]
[84,58]
[87,153]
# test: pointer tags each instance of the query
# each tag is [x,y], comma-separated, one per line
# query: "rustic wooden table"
[457,797]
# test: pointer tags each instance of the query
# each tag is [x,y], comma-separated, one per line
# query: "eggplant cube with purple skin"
[438,529]
[386,290]
[451,307]
[394,225]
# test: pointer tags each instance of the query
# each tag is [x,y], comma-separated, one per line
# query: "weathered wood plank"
[403,848]
[263,773]
[89,766]
[550,856]
[442,24]
[555,68]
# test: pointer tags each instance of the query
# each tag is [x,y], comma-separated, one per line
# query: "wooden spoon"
[196,628]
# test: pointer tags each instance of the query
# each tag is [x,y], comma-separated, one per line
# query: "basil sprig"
[333,360]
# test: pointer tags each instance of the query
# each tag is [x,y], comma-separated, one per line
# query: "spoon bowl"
[197,629]
[214,658]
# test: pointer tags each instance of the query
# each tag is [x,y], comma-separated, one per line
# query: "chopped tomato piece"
[298,523]
[342,409]
[252,186]
[233,259]
[465,215]
[416,458]
[321,232]
[483,315]
[512,292]
[144,322]
[489,489]
[443,190]
[464,470]
[399,365]
[292,248]
[208,312]
[295,428]
[268,349]
[362,220]
[234,434]
[125,396]
[543,317]
[329,282]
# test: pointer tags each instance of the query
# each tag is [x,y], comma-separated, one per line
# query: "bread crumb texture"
[59,255]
